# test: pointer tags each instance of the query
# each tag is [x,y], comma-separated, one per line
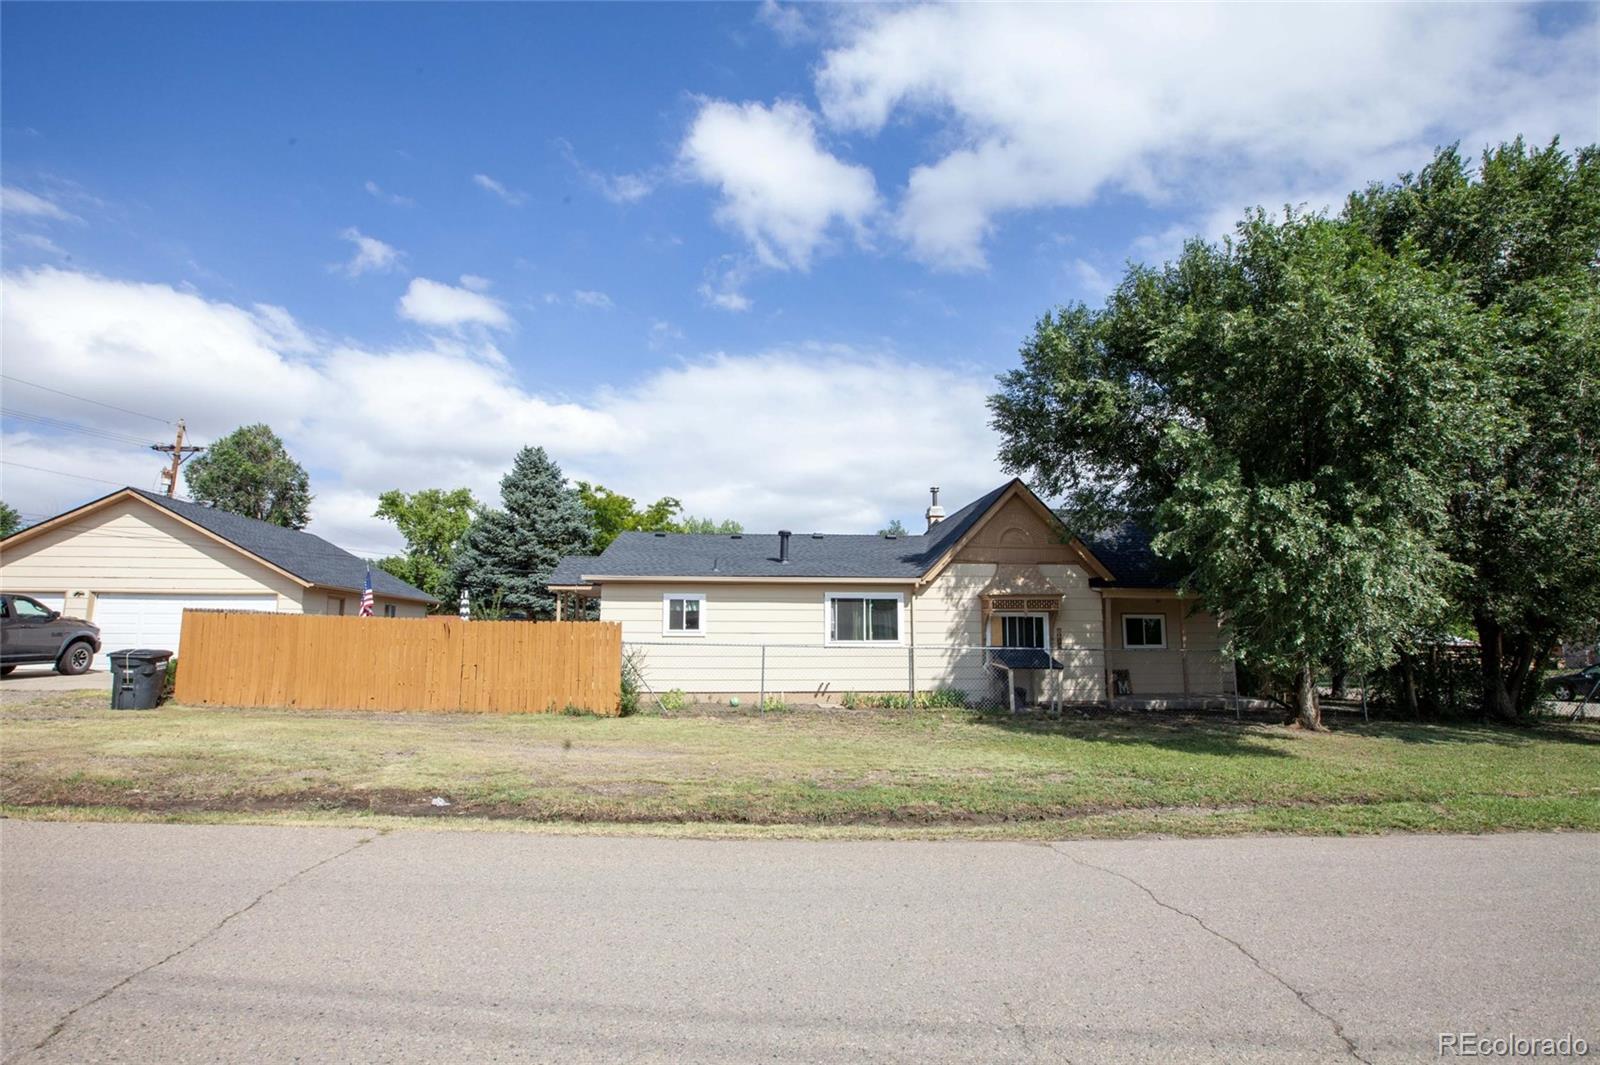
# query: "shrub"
[943,698]
[675,699]
[851,701]
[774,704]
[170,684]
[632,682]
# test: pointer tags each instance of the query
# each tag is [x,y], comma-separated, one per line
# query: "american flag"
[366,597]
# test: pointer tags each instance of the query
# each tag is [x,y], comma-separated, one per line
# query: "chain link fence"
[679,673]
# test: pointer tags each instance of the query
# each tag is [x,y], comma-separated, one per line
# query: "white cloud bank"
[808,437]
[1195,108]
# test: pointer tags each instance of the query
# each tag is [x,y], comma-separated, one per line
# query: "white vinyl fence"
[991,678]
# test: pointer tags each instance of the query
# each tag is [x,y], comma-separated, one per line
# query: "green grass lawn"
[802,772]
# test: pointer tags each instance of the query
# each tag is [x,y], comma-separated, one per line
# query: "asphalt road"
[257,944]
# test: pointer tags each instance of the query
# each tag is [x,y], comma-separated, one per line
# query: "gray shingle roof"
[639,554]
[309,557]
[570,570]
[1127,553]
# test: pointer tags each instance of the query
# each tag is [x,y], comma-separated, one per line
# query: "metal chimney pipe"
[783,545]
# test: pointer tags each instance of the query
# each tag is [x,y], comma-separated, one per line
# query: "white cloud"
[38,242]
[787,21]
[371,255]
[588,298]
[662,333]
[1092,282]
[510,196]
[22,202]
[365,419]
[723,287]
[475,283]
[618,188]
[780,189]
[394,199]
[1199,106]
[438,304]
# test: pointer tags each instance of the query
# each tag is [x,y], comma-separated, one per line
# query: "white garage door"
[155,620]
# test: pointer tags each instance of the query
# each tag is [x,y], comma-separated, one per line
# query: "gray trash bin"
[137,677]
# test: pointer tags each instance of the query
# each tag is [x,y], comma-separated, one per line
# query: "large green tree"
[725,527]
[614,513]
[1520,235]
[10,520]
[507,554]
[1282,411]
[433,521]
[250,472]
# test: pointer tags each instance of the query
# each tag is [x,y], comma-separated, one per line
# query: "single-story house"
[997,599]
[133,561]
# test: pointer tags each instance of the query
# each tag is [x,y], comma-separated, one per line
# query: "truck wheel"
[1563,694]
[75,659]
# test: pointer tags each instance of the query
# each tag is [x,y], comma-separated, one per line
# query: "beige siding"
[131,547]
[1191,661]
[316,601]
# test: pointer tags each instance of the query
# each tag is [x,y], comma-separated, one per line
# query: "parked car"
[1569,686]
[31,632]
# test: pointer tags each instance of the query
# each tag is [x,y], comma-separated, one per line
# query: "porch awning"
[1023,658]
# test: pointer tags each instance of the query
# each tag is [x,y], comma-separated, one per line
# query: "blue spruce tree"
[507,555]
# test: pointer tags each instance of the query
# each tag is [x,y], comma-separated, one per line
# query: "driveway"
[46,679]
[265,944]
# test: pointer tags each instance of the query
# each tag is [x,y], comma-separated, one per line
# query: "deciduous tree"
[1282,410]
[1520,235]
[433,521]
[250,472]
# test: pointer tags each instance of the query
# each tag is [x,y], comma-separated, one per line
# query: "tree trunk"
[1408,677]
[1498,703]
[1336,690]
[1307,709]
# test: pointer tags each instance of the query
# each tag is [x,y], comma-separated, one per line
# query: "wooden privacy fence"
[356,663]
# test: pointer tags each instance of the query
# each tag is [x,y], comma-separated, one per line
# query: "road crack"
[1305,1000]
[66,1018]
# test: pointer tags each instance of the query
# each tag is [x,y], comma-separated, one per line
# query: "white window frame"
[899,600]
[666,616]
[1162,646]
[1026,614]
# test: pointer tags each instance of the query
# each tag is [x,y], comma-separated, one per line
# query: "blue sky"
[766,259]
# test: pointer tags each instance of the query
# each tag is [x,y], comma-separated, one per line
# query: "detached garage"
[133,561]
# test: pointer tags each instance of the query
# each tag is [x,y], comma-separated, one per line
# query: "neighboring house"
[996,598]
[132,561]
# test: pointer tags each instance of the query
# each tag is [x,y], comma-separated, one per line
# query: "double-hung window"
[683,614]
[1144,632]
[864,618]
[1024,630]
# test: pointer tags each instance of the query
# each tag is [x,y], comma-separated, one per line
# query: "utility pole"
[180,452]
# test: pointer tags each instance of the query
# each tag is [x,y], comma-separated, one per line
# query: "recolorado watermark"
[1476,1045]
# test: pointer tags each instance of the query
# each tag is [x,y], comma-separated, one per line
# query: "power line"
[85,399]
[59,473]
[74,427]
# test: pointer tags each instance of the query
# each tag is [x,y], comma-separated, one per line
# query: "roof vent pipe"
[783,545]
[935,511]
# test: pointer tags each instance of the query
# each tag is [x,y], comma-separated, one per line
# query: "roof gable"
[304,557]
[814,556]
